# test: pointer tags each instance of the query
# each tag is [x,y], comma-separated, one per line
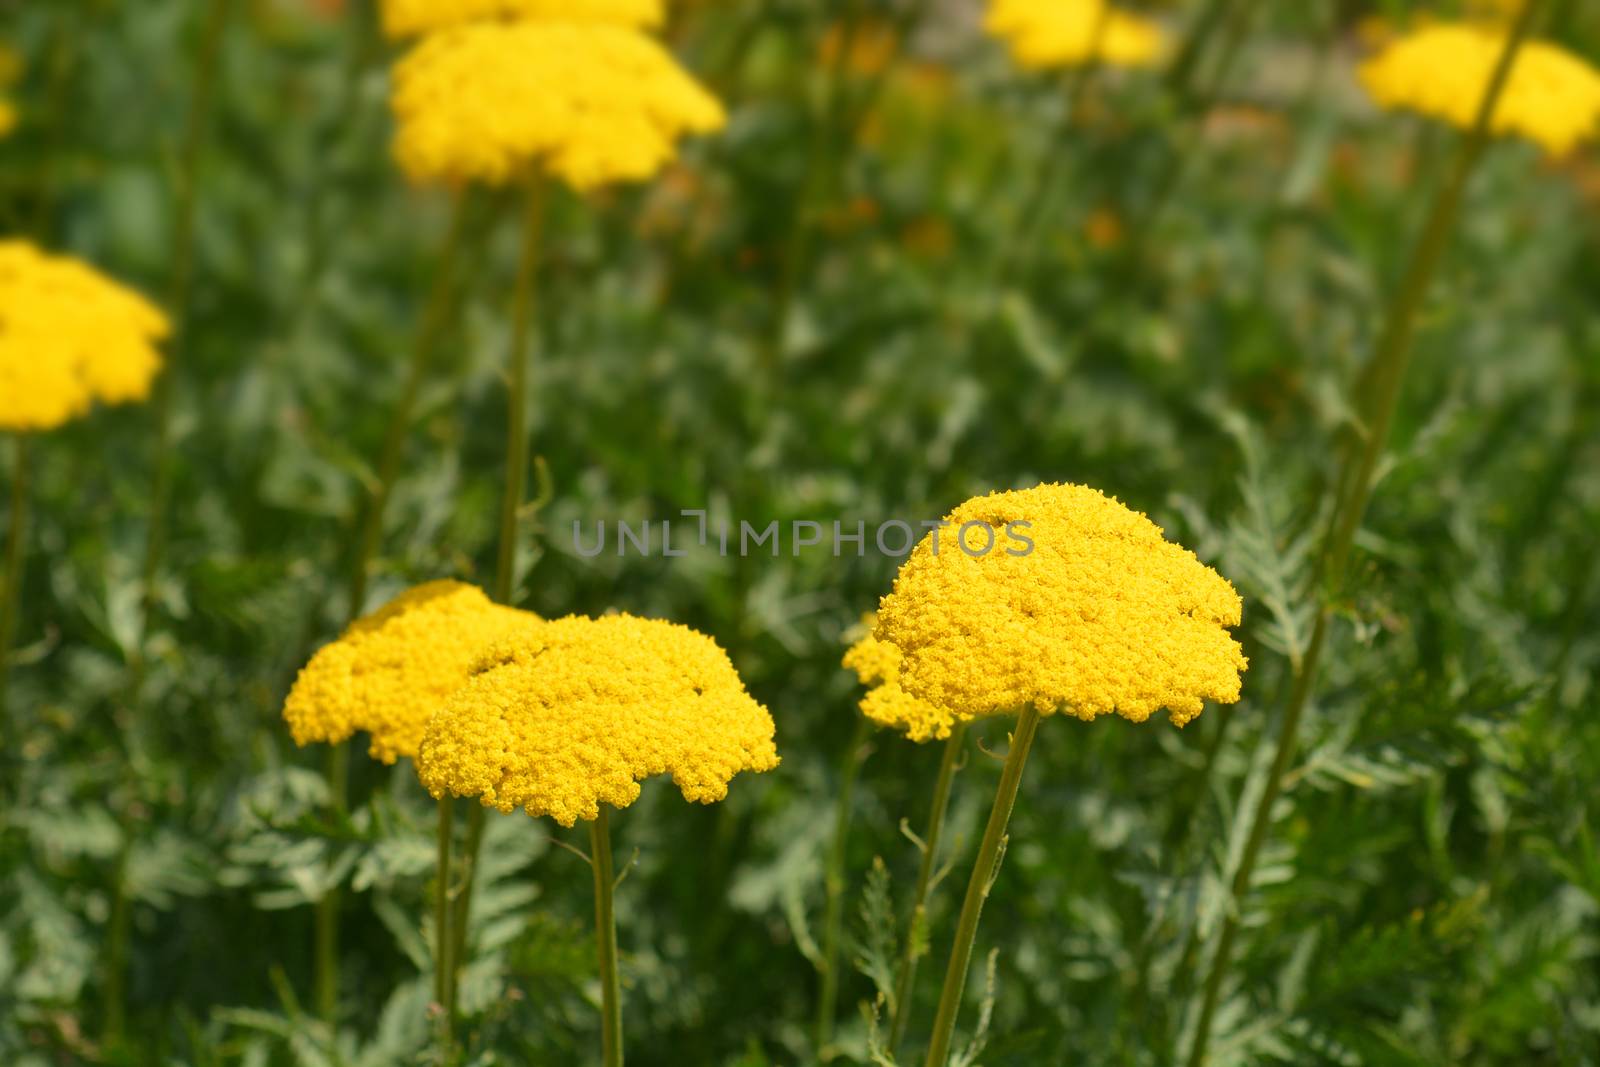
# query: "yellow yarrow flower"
[8,117]
[390,670]
[69,336]
[1102,615]
[877,664]
[410,18]
[1551,97]
[1062,33]
[588,104]
[572,714]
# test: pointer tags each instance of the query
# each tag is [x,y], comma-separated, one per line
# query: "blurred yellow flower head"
[409,18]
[69,336]
[1062,33]
[1102,614]
[1551,97]
[391,670]
[588,104]
[572,714]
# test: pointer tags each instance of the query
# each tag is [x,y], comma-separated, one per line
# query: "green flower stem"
[443,950]
[181,284]
[983,875]
[522,314]
[1017,249]
[1192,103]
[1180,74]
[523,311]
[435,317]
[821,153]
[10,598]
[833,885]
[1381,388]
[337,773]
[904,981]
[605,929]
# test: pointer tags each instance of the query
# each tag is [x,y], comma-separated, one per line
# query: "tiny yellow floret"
[1551,97]
[69,336]
[411,18]
[1102,614]
[587,104]
[1044,34]
[572,714]
[391,670]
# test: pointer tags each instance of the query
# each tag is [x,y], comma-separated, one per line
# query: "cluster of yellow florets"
[1063,33]
[1102,615]
[69,336]
[390,670]
[572,714]
[877,664]
[408,18]
[589,104]
[1551,96]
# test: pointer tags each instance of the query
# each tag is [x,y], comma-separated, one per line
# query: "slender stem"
[181,283]
[1180,75]
[916,931]
[1390,360]
[118,930]
[443,942]
[16,535]
[605,929]
[820,154]
[1017,249]
[466,876]
[833,885]
[522,314]
[983,875]
[337,772]
[1193,103]
[435,317]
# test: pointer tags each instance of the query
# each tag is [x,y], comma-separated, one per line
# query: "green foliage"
[1430,891]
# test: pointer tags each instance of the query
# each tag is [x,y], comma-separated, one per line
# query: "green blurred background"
[1165,299]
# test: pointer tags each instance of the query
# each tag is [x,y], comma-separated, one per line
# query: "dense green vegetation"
[895,281]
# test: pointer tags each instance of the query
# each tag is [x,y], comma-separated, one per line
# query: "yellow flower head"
[409,18]
[1078,606]
[588,104]
[572,714]
[69,336]
[8,117]
[393,668]
[1062,33]
[1551,97]
[877,664]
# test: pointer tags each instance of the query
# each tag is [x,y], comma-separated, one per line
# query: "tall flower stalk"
[917,926]
[978,886]
[1378,398]
[833,886]
[443,944]
[605,928]
[10,597]
[178,303]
